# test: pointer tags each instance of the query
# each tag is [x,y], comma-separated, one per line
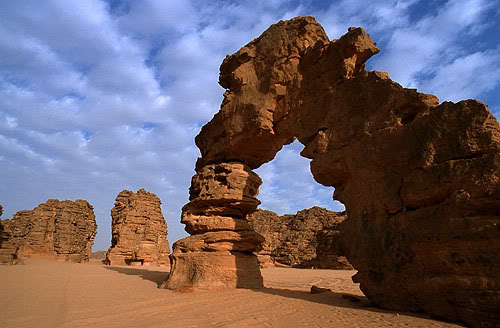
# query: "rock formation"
[7,247]
[308,239]
[139,230]
[98,255]
[219,252]
[61,230]
[1,210]
[419,179]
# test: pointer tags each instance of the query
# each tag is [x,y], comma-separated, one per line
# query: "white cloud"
[466,77]
[379,16]
[421,48]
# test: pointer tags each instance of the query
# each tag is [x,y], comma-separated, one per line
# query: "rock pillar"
[139,230]
[219,254]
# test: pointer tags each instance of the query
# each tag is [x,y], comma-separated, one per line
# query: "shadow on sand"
[155,276]
[344,300]
[328,298]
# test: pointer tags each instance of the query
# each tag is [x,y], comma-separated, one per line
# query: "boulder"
[60,230]
[308,239]
[139,231]
[419,179]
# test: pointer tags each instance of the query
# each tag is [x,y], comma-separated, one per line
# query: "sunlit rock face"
[419,179]
[60,230]
[219,254]
[139,231]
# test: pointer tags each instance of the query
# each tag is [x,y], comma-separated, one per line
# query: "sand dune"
[50,294]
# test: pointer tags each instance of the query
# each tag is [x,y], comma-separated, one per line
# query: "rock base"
[212,271]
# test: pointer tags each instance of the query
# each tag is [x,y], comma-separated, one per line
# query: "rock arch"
[419,179]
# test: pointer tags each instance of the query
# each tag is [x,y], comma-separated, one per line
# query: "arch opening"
[288,185]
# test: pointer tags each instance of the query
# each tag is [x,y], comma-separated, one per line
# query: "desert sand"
[43,293]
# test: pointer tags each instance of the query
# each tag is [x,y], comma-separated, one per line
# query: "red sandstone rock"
[220,252]
[139,230]
[220,197]
[308,239]
[62,230]
[8,249]
[419,179]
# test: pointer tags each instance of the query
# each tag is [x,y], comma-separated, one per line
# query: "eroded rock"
[419,179]
[308,239]
[60,230]
[139,231]
[219,254]
[8,249]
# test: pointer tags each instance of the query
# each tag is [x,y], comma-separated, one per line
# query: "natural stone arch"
[419,180]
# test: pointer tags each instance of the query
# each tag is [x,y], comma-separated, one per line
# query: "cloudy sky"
[99,96]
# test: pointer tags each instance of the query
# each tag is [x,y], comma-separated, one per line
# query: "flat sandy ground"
[50,294]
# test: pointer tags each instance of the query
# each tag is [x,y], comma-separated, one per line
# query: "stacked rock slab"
[60,230]
[419,179]
[308,239]
[139,231]
[219,254]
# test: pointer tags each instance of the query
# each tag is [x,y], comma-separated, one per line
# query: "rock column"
[219,254]
[139,230]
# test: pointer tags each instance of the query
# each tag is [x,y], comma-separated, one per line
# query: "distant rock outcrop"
[98,255]
[139,230]
[308,239]
[419,179]
[62,230]
[1,210]
[8,250]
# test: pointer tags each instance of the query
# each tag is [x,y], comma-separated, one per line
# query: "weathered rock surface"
[419,179]
[219,254]
[8,250]
[308,239]
[61,230]
[139,231]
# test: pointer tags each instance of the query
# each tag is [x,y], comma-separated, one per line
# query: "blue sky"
[99,96]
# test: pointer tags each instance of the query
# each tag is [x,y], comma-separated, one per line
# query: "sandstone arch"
[419,179]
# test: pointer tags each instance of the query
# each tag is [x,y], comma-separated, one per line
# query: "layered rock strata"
[139,231]
[60,230]
[8,250]
[308,239]
[219,254]
[419,179]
